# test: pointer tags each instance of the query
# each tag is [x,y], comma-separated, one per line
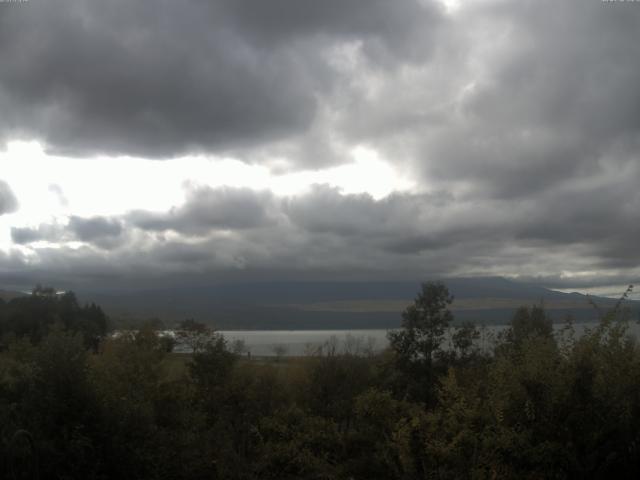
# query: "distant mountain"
[7,295]
[335,305]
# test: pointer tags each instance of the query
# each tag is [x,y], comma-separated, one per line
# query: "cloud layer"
[238,234]
[160,78]
[518,121]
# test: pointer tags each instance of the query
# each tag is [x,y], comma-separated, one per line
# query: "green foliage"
[537,410]
[424,324]
[382,443]
[417,346]
[540,405]
[295,445]
[196,335]
[464,340]
[211,368]
[50,407]
[33,316]
[332,381]
[528,323]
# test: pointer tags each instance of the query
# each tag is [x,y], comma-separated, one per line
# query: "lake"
[301,342]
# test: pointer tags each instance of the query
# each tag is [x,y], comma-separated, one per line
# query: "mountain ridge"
[311,305]
[334,305]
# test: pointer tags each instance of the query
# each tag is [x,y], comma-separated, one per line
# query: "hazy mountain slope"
[317,305]
[7,295]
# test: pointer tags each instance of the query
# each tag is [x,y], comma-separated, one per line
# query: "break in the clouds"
[301,139]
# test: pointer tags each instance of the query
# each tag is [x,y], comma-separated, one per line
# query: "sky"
[173,143]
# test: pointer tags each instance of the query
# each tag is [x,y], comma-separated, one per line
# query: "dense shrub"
[538,405]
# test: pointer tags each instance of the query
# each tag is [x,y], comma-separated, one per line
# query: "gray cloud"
[207,209]
[510,104]
[521,131]
[330,235]
[400,223]
[558,103]
[243,235]
[158,78]
[389,29]
[102,232]
[8,201]
[26,235]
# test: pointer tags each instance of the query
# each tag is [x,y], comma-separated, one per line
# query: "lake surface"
[301,342]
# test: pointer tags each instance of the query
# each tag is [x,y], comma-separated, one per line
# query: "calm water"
[301,342]
[304,342]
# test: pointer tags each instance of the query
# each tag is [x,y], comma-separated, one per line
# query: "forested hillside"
[76,403]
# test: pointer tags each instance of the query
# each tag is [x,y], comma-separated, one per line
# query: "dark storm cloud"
[520,122]
[392,26]
[305,235]
[400,223]
[98,230]
[143,78]
[399,236]
[8,201]
[161,78]
[388,221]
[102,232]
[602,215]
[325,210]
[26,235]
[510,104]
[207,209]
[590,225]
[555,101]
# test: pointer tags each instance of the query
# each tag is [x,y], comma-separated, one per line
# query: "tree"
[212,366]
[35,315]
[333,380]
[424,324]
[463,340]
[528,323]
[417,345]
[195,335]
[60,409]
[279,350]
[239,346]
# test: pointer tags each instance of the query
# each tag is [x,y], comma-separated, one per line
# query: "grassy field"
[176,363]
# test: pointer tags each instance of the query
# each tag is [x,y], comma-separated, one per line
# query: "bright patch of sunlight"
[51,188]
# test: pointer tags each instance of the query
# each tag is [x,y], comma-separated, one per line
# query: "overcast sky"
[165,142]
